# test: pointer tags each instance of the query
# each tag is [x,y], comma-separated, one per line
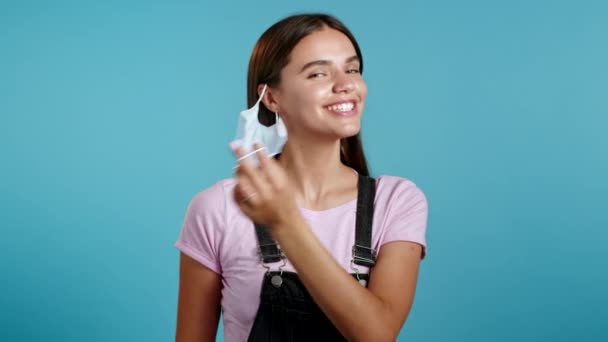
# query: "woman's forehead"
[326,44]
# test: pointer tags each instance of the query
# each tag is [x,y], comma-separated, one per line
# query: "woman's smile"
[345,108]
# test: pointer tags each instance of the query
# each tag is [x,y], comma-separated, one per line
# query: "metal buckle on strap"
[280,266]
[371,262]
[357,274]
[279,253]
[371,251]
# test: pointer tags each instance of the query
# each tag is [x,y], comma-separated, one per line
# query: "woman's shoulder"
[398,188]
[214,197]
[403,211]
[389,181]
[205,222]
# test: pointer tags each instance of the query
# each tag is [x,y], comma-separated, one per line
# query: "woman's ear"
[269,99]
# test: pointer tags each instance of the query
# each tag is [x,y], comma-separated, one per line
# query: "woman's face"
[321,93]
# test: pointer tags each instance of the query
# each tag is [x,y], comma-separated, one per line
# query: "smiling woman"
[334,223]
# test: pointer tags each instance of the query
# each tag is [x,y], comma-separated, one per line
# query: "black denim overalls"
[287,312]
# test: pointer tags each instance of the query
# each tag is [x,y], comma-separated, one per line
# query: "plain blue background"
[115,113]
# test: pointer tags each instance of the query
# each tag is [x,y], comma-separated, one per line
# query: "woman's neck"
[315,171]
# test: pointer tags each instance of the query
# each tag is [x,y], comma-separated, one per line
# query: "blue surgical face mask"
[251,131]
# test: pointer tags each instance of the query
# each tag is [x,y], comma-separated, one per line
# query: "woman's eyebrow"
[327,62]
[351,59]
[314,63]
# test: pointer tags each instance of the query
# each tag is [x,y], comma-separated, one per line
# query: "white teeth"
[342,107]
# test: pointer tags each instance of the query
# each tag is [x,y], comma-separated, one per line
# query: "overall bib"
[287,312]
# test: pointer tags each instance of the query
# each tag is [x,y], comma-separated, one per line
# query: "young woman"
[305,246]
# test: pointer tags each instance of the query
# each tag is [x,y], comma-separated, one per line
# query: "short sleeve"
[202,227]
[407,215]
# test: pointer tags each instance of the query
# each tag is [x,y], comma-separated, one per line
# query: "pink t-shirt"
[218,235]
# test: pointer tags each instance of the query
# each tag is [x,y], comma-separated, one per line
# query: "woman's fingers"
[272,171]
[254,176]
[262,157]
[244,191]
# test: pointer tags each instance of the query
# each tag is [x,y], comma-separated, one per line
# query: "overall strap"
[268,248]
[363,253]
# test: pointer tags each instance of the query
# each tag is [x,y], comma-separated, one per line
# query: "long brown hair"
[271,54]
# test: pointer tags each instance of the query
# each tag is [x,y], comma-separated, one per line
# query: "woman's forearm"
[355,311]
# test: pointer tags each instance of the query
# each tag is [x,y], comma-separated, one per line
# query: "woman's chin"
[349,131]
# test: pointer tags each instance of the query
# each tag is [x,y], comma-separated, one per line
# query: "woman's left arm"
[373,314]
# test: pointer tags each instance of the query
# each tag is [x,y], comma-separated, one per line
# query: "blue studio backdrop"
[113,114]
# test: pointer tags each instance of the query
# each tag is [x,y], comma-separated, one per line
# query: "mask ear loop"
[262,94]
[276,114]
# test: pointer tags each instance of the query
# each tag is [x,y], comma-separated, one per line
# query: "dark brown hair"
[271,54]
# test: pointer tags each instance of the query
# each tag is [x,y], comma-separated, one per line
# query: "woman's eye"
[316,75]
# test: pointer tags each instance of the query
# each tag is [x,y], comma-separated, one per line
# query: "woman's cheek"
[362,88]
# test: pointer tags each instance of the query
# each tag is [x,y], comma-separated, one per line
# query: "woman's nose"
[344,83]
